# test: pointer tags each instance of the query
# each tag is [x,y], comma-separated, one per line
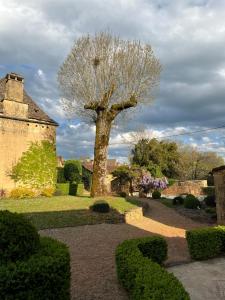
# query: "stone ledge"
[133,215]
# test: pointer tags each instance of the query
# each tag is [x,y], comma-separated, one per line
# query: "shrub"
[80,189]
[2,193]
[210,201]
[18,238]
[60,175]
[209,190]
[191,202]
[63,187]
[73,189]
[142,276]
[178,200]
[100,206]
[204,243]
[44,275]
[156,194]
[73,171]
[22,192]
[123,194]
[48,192]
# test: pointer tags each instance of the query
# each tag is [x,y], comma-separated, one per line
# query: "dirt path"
[92,249]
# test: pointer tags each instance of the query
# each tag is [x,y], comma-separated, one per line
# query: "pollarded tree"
[101,77]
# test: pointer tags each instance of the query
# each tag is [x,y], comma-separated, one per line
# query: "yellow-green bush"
[22,192]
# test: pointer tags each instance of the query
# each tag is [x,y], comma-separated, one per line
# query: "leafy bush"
[178,200]
[48,192]
[171,181]
[100,206]
[204,243]
[73,189]
[210,201]
[80,189]
[63,187]
[142,276]
[73,171]
[18,238]
[60,175]
[123,194]
[209,190]
[44,275]
[22,192]
[156,194]
[191,202]
[2,193]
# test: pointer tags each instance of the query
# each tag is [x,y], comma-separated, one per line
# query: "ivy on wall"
[37,166]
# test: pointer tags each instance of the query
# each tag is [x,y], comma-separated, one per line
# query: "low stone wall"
[186,187]
[133,215]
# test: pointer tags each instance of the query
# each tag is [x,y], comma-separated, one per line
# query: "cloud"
[187,36]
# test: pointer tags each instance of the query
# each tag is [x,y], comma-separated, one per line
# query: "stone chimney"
[14,87]
[13,105]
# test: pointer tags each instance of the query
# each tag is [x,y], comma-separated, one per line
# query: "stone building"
[21,122]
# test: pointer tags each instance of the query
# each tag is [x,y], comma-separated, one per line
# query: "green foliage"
[191,202]
[73,171]
[178,200]
[156,194]
[142,276]
[171,181]
[22,192]
[209,190]
[60,175]
[205,243]
[73,189]
[123,194]
[100,206]
[210,201]
[80,189]
[37,166]
[86,178]
[63,187]
[18,238]
[159,157]
[44,275]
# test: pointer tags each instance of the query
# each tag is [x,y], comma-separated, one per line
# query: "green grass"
[64,211]
[166,201]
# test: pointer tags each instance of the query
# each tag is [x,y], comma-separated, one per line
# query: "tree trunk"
[103,127]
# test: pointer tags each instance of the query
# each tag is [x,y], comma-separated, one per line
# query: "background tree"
[101,77]
[159,157]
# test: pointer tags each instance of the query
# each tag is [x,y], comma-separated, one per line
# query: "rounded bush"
[210,201]
[18,237]
[191,202]
[100,206]
[44,275]
[156,194]
[123,194]
[178,200]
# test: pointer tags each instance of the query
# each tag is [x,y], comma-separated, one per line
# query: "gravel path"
[92,249]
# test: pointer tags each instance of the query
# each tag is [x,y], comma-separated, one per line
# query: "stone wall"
[133,215]
[15,138]
[186,187]
[219,181]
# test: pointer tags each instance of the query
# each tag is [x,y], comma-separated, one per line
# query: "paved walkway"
[203,280]
[92,249]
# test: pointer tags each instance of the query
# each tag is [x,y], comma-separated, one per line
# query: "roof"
[34,111]
[221,168]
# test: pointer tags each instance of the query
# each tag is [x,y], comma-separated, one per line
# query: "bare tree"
[101,77]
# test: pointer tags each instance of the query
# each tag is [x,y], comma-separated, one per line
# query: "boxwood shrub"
[100,206]
[205,243]
[156,194]
[44,275]
[191,202]
[18,237]
[141,275]
[178,200]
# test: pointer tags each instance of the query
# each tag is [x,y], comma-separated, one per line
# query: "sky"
[187,36]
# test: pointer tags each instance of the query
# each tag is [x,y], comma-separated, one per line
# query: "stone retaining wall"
[133,215]
[186,187]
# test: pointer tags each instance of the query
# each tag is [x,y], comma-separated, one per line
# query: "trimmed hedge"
[178,200]
[156,194]
[142,276]
[80,189]
[18,237]
[63,187]
[73,189]
[45,275]
[100,206]
[205,243]
[191,202]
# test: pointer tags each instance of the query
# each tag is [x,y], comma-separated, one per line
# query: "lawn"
[67,211]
